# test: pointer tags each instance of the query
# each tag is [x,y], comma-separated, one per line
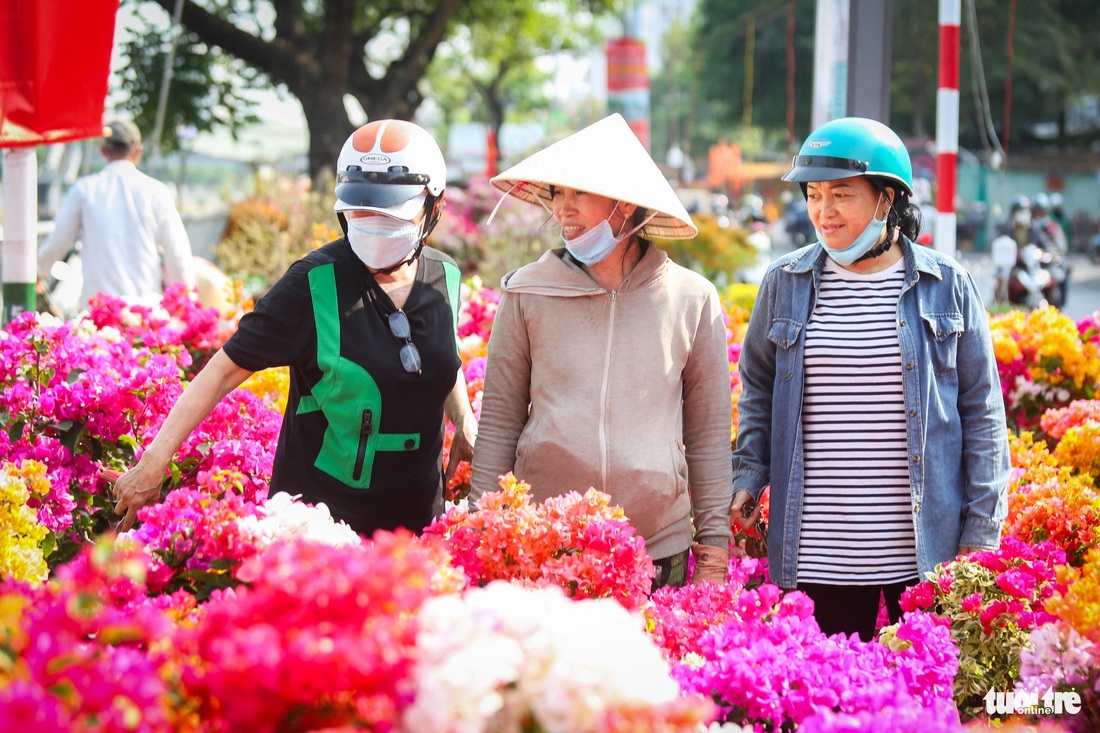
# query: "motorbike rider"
[1050,234]
[1051,238]
[1024,227]
[1019,224]
[1058,213]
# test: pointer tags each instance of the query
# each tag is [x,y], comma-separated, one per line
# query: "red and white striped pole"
[947,126]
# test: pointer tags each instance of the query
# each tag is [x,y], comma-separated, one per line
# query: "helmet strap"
[883,246]
[431,215]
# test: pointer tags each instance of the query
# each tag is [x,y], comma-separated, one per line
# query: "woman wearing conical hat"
[607,364]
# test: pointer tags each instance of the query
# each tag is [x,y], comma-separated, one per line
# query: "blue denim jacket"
[958,440]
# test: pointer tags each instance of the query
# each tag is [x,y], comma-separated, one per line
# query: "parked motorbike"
[1057,265]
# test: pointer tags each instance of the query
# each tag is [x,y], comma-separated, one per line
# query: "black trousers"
[671,571]
[853,609]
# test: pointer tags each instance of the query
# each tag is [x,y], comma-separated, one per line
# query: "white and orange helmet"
[393,167]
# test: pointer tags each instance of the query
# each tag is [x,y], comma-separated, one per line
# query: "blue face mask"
[593,246]
[868,238]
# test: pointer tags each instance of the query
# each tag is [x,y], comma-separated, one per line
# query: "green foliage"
[376,52]
[269,231]
[722,32]
[1055,62]
[717,253]
[489,68]
[205,91]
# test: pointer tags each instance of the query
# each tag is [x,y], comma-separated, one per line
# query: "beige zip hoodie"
[627,392]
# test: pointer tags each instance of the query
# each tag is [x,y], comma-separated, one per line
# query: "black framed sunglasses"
[410,355]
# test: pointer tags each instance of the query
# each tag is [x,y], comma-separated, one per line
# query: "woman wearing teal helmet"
[871,402]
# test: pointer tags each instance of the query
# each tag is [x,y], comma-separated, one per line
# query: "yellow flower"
[270,385]
[21,536]
[1057,354]
[1079,449]
[1079,606]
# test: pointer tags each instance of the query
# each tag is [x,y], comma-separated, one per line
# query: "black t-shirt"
[405,484]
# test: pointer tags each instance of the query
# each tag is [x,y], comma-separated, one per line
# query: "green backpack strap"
[347,395]
[454,292]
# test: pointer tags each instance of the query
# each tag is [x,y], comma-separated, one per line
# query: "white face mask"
[380,241]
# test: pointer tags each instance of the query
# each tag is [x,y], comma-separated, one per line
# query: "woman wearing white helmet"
[870,397]
[367,326]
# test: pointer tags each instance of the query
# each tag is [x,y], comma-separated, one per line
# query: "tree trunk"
[319,65]
[329,127]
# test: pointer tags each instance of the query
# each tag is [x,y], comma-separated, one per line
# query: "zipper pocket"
[364,434]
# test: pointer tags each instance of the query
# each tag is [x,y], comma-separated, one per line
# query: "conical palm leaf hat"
[605,158]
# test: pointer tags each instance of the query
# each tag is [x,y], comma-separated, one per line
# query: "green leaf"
[48,544]
[71,435]
[74,375]
[15,431]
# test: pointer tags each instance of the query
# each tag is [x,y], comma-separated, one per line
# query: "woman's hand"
[134,489]
[462,445]
[740,499]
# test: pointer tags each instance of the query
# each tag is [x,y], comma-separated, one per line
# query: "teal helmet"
[853,146]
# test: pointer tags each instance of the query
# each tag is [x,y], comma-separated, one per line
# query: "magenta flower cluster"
[768,664]
[86,395]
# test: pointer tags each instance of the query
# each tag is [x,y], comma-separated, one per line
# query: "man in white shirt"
[133,240]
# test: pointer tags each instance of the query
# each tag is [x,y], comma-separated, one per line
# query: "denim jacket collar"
[917,260]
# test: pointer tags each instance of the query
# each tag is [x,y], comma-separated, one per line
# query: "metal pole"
[947,127]
[869,50]
[20,254]
[165,83]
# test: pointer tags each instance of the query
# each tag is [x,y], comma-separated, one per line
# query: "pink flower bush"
[677,618]
[991,601]
[768,664]
[580,543]
[479,308]
[241,612]
[318,636]
[85,653]
[76,398]
[194,541]
[239,436]
[86,395]
[179,324]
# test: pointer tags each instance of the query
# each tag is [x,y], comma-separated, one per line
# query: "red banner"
[626,65]
[55,59]
[628,84]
